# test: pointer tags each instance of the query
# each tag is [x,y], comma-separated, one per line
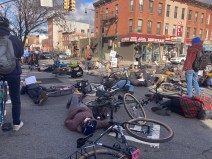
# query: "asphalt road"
[45,137]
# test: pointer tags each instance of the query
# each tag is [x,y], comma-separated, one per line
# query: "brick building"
[125,23]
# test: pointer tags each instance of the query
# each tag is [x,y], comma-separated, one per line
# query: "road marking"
[155,135]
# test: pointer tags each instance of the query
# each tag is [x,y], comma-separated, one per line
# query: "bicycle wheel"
[97,103]
[133,107]
[170,89]
[103,154]
[59,91]
[152,131]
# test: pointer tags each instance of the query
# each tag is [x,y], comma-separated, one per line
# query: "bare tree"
[28,16]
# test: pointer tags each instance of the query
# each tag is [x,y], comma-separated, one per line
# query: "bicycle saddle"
[82,141]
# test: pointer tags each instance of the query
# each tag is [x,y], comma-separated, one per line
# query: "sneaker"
[42,98]
[17,127]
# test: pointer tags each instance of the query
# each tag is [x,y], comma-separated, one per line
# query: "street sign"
[46,3]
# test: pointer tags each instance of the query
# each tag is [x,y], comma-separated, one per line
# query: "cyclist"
[13,78]
[80,118]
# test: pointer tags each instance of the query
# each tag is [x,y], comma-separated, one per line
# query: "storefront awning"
[134,37]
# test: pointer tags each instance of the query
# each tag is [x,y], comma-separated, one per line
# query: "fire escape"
[107,20]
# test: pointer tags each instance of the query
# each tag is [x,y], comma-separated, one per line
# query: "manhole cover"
[48,80]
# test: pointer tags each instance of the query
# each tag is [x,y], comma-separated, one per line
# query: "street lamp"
[89,34]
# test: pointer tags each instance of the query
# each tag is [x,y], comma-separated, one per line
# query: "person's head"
[196,40]
[88,126]
[4,22]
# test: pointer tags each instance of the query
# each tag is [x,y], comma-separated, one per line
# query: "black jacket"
[18,50]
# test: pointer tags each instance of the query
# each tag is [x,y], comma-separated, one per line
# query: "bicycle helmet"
[88,127]
[4,22]
[74,64]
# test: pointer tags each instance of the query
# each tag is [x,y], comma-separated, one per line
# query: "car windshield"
[47,53]
[62,53]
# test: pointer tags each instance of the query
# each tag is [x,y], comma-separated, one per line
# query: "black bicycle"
[147,130]
[106,101]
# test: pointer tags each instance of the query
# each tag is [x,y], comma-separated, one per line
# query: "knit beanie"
[196,40]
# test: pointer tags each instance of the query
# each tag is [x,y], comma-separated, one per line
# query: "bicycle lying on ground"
[143,129]
[3,99]
[56,91]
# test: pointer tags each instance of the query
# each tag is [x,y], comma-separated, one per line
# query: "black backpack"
[201,61]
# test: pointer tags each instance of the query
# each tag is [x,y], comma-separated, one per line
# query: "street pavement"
[44,136]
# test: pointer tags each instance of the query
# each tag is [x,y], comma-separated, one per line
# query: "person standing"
[190,75]
[13,78]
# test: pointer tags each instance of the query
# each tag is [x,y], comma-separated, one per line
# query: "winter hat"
[196,40]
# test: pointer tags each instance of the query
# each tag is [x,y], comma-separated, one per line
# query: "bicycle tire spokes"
[149,130]
[133,106]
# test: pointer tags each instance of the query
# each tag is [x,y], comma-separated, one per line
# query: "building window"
[141,5]
[130,25]
[183,13]
[149,27]
[150,9]
[131,5]
[106,13]
[195,32]
[160,8]
[206,34]
[175,12]
[196,17]
[140,24]
[97,14]
[117,9]
[181,34]
[208,19]
[200,33]
[202,18]
[188,32]
[158,28]
[166,28]
[211,36]
[189,14]
[83,31]
[97,31]
[174,30]
[168,10]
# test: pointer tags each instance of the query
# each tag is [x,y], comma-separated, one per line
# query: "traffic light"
[66,4]
[71,5]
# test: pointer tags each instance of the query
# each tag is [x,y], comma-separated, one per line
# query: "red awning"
[134,37]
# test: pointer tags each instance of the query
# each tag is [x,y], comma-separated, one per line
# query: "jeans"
[14,91]
[192,78]
[120,84]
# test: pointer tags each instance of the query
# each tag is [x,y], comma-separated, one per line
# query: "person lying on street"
[80,118]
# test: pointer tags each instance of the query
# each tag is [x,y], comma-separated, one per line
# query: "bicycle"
[56,91]
[139,128]
[3,99]
[106,100]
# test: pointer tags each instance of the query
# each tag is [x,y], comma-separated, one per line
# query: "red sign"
[179,28]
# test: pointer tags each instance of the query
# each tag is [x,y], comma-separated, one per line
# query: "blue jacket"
[18,49]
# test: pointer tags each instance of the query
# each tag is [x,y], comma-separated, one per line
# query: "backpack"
[7,55]
[201,61]
[196,107]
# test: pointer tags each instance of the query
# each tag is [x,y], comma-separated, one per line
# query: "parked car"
[179,60]
[63,55]
[46,55]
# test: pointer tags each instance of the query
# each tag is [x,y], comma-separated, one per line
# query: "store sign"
[179,28]
[142,39]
